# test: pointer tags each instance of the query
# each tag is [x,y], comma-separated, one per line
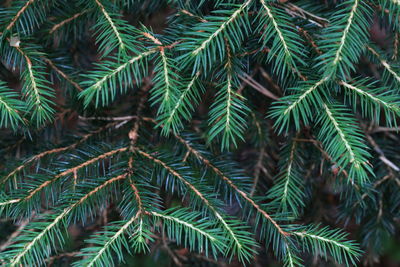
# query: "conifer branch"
[228,103]
[290,261]
[16,261]
[137,196]
[113,239]
[223,26]
[343,48]
[120,68]
[166,80]
[288,189]
[4,104]
[32,77]
[11,109]
[343,142]
[343,39]
[303,96]
[30,246]
[385,64]
[285,44]
[166,77]
[112,24]
[172,119]
[324,239]
[53,151]
[186,224]
[18,15]
[237,244]
[73,171]
[231,184]
[9,202]
[35,91]
[106,81]
[152,38]
[277,29]
[310,54]
[227,115]
[341,134]
[319,146]
[297,106]
[134,132]
[379,100]
[193,188]
[205,43]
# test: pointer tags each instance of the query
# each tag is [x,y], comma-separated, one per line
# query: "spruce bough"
[220,129]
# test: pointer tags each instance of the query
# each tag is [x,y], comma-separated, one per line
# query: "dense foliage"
[230,131]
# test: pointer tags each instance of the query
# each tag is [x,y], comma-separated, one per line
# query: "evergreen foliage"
[136,126]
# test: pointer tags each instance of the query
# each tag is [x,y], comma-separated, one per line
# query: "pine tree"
[244,131]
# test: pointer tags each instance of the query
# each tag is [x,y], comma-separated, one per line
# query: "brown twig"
[20,228]
[65,76]
[133,136]
[257,170]
[122,118]
[133,133]
[169,251]
[395,46]
[19,13]
[152,38]
[74,169]
[382,156]
[184,11]
[62,23]
[156,41]
[297,11]
[384,63]
[310,39]
[385,129]
[270,80]
[55,150]
[318,145]
[231,184]
[254,84]
[16,144]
